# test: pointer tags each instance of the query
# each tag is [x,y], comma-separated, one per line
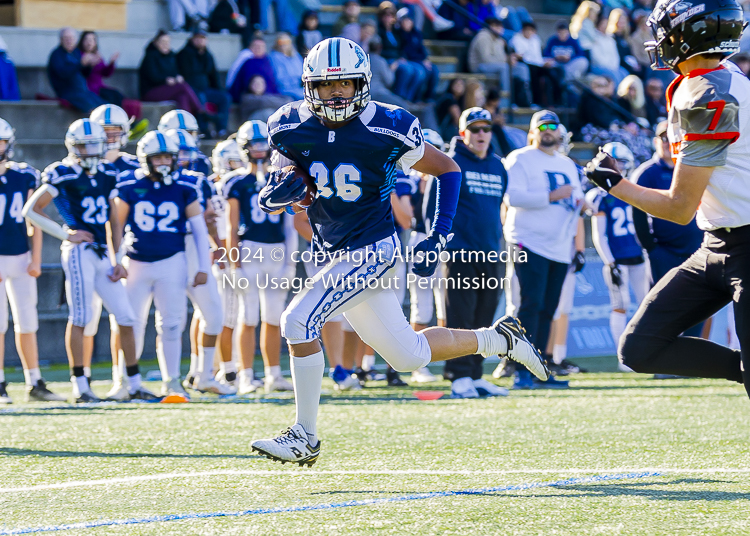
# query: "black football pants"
[711,278]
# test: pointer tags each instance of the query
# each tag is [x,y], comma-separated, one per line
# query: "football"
[312,189]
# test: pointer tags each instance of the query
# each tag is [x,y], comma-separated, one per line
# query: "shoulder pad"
[707,109]
[288,117]
[58,172]
[197,175]
[387,119]
[23,167]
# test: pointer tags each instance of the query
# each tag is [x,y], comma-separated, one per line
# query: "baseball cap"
[661,128]
[473,115]
[543,117]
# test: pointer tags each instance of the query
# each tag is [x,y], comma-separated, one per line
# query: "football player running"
[709,132]
[351,146]
[83,188]
[155,204]
[614,238]
[252,255]
[19,268]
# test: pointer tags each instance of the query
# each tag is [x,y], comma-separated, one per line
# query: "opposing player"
[184,120]
[709,131]
[262,254]
[351,146]
[19,268]
[83,187]
[155,204]
[614,238]
[207,321]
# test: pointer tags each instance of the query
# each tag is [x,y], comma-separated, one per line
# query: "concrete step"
[148,16]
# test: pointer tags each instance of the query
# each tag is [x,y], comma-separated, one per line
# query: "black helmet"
[684,29]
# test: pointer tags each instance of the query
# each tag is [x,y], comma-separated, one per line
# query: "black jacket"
[156,68]
[198,70]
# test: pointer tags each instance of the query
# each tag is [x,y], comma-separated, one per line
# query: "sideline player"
[351,146]
[83,188]
[251,253]
[19,268]
[184,120]
[614,237]
[157,203]
[709,131]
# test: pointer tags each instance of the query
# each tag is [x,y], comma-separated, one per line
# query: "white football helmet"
[188,149]
[565,136]
[8,134]
[116,124]
[152,144]
[623,155]
[226,157]
[86,141]
[253,136]
[337,58]
[433,138]
[181,119]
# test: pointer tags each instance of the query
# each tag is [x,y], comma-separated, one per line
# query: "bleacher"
[40,124]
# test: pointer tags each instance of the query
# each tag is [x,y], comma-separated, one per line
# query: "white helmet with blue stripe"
[226,157]
[152,144]
[113,117]
[86,141]
[181,119]
[188,149]
[8,135]
[623,155]
[337,58]
[433,138]
[253,136]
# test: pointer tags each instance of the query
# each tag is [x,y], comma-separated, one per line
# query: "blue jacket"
[8,79]
[64,71]
[556,47]
[412,46]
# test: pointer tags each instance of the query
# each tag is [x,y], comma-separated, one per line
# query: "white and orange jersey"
[709,126]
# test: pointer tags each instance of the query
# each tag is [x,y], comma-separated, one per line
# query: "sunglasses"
[484,129]
[549,126]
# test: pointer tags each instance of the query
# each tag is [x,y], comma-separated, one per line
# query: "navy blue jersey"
[125,162]
[354,167]
[82,199]
[157,223]
[414,182]
[200,182]
[15,184]
[256,225]
[201,165]
[620,229]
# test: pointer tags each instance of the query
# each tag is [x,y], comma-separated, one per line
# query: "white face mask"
[166,173]
[89,162]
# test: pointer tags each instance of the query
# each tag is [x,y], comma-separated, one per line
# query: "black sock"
[77,372]
[132,370]
[230,376]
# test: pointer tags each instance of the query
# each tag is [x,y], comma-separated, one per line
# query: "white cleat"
[464,388]
[277,384]
[350,383]
[624,368]
[212,386]
[118,393]
[423,375]
[248,385]
[485,388]
[520,349]
[173,387]
[293,445]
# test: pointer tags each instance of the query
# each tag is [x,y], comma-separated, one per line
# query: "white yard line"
[306,473]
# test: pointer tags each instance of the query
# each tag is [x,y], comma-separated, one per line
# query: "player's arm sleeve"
[710,124]
[40,220]
[519,193]
[413,146]
[599,235]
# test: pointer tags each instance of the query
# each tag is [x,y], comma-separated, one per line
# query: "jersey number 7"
[718,107]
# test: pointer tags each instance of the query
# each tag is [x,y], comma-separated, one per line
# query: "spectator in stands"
[308,34]
[504,138]
[566,53]
[160,79]
[414,52]
[656,101]
[618,26]
[605,59]
[482,10]
[287,67]
[630,96]
[545,76]
[636,41]
[596,109]
[367,31]
[95,69]
[583,23]
[66,76]
[475,96]
[350,15]
[488,54]
[226,18]
[461,30]
[196,64]
[256,64]
[449,106]
[409,77]
[383,77]
[188,14]
[8,79]
[257,103]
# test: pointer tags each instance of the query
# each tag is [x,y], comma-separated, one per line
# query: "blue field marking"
[331,506]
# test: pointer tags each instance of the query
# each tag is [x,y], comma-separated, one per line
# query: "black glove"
[430,249]
[602,171]
[579,261]
[616,274]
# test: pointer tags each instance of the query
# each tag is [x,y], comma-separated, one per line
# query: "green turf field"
[114,462]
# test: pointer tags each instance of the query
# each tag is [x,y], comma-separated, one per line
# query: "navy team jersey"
[15,184]
[200,182]
[354,167]
[82,199]
[257,226]
[201,165]
[125,162]
[620,229]
[156,224]
[410,186]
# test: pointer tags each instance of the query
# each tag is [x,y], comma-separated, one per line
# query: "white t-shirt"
[529,49]
[544,228]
